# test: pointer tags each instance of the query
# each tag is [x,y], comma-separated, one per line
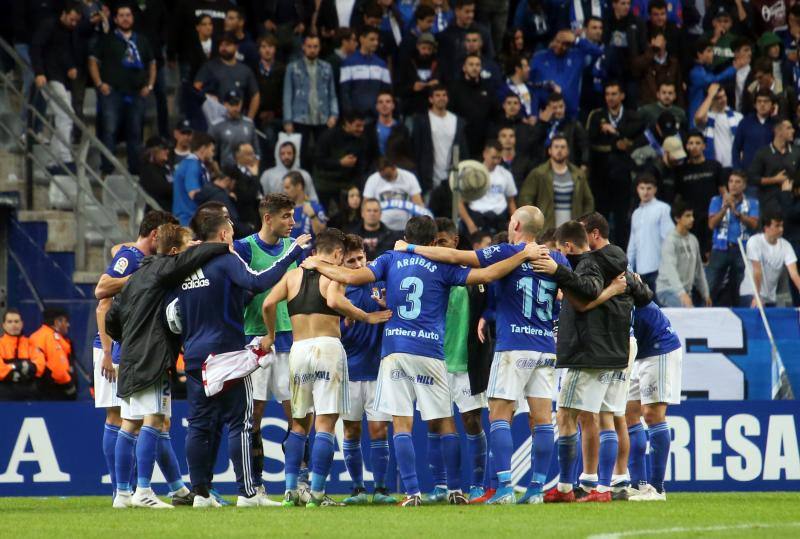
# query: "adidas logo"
[195,280]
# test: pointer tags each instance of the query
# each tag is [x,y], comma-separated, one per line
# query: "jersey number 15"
[545,295]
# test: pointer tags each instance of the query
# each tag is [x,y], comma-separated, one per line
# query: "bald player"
[524,359]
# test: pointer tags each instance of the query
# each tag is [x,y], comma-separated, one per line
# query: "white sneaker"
[259,500]
[122,500]
[145,497]
[201,502]
[648,493]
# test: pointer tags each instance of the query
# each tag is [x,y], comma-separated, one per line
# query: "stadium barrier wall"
[50,449]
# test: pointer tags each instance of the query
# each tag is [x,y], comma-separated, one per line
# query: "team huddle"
[340,337]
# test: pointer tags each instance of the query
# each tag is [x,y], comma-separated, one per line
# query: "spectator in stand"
[511,116]
[701,77]
[234,130]
[552,120]
[190,176]
[225,74]
[309,216]
[612,131]
[378,238]
[364,75]
[349,214]
[332,18]
[719,124]
[123,69]
[661,18]
[732,216]
[156,173]
[625,41]
[287,20]
[518,164]
[774,164]
[559,68]
[665,102]
[444,15]
[769,253]
[246,49]
[557,187]
[697,181]
[680,274]
[784,99]
[650,225]
[494,14]
[346,41]
[742,49]
[491,212]
[390,29]
[451,40]
[54,62]
[531,25]
[518,72]
[21,363]
[473,45]
[789,199]
[472,98]
[193,56]
[182,133]
[721,37]
[654,67]
[341,159]
[754,131]
[398,192]
[286,160]
[57,381]
[387,136]
[418,75]
[595,73]
[309,110]
[269,76]
[424,17]
[185,16]
[246,187]
[220,190]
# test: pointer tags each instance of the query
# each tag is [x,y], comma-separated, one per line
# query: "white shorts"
[657,379]
[272,382]
[593,390]
[520,374]
[105,392]
[405,378]
[461,393]
[156,399]
[362,401]
[318,376]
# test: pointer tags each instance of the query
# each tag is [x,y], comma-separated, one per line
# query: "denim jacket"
[296,90]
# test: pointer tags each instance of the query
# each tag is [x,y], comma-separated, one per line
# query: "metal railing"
[104,220]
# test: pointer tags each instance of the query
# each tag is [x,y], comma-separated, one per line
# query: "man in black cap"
[234,130]
[182,134]
[155,176]
[224,73]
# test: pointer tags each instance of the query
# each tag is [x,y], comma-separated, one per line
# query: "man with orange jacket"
[51,340]
[20,362]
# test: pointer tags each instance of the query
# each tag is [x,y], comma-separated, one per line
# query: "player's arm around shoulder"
[337,301]
[441,254]
[353,277]
[532,251]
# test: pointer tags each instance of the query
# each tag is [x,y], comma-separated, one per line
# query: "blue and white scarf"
[708,132]
[131,59]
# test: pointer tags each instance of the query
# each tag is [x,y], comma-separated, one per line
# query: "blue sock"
[123,459]
[321,460]
[476,443]
[636,461]
[609,445]
[491,476]
[451,448]
[354,461]
[660,439]
[541,455]
[379,457]
[436,460]
[406,462]
[502,448]
[146,451]
[567,455]
[109,444]
[168,462]
[295,447]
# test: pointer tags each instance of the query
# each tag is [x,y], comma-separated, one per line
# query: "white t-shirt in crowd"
[443,132]
[496,198]
[401,189]
[723,136]
[773,259]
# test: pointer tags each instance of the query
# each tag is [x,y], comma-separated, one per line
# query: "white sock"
[564,487]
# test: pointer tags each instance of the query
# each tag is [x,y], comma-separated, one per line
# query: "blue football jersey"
[360,340]
[526,302]
[417,292]
[653,332]
[125,262]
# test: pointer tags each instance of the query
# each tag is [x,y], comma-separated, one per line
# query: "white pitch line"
[662,531]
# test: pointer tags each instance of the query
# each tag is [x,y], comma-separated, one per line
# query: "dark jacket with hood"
[136,318]
[598,338]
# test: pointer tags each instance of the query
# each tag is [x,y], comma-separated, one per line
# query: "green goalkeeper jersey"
[457,330]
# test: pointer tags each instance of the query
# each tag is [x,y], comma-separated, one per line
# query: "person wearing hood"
[286,160]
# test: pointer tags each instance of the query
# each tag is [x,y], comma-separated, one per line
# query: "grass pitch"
[684,515]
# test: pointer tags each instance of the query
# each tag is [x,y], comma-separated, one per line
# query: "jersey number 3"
[414,287]
[545,294]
